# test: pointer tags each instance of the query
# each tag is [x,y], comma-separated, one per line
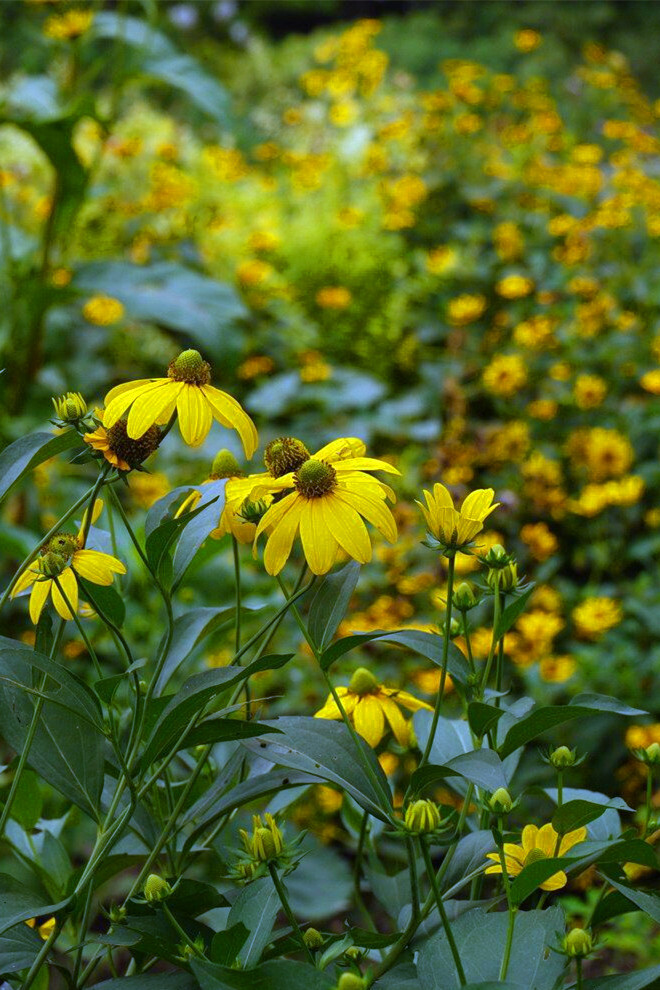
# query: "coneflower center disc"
[284,455]
[134,452]
[190,367]
[315,478]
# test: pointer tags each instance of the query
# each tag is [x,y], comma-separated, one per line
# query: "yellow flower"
[368,703]
[232,519]
[526,40]
[651,381]
[186,390]
[537,844]
[505,375]
[118,448]
[514,286]
[556,670]
[333,297]
[595,616]
[70,25]
[541,541]
[589,391]
[332,491]
[103,311]
[61,558]
[45,929]
[452,527]
[465,309]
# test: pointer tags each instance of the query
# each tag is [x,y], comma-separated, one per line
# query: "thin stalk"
[445,657]
[41,958]
[578,974]
[442,910]
[185,938]
[414,879]
[499,670]
[291,918]
[237,628]
[649,801]
[74,615]
[509,942]
[511,909]
[357,865]
[468,644]
[29,739]
[493,642]
[82,935]
[560,788]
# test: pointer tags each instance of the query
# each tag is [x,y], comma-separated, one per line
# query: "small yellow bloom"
[541,541]
[450,526]
[526,40]
[368,704]
[45,929]
[186,390]
[69,25]
[651,381]
[333,297]
[505,375]
[54,572]
[595,616]
[514,286]
[537,844]
[465,309]
[589,391]
[103,311]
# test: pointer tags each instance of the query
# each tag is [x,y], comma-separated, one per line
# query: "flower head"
[103,311]
[187,391]
[54,572]
[69,25]
[118,448]
[452,528]
[368,704]
[537,844]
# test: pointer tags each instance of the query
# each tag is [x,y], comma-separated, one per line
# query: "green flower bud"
[70,408]
[252,512]
[422,817]
[156,888]
[350,981]
[313,938]
[266,842]
[505,578]
[225,465]
[653,753]
[496,556]
[562,757]
[117,914]
[577,943]
[464,598]
[501,802]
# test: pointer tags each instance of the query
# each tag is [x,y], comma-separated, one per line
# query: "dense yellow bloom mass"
[596,616]
[54,572]
[368,704]
[69,25]
[450,526]
[326,497]
[186,390]
[537,844]
[103,311]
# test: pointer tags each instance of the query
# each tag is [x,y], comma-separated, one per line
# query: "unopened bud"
[117,914]
[501,802]
[422,817]
[252,512]
[505,578]
[497,555]
[653,753]
[578,943]
[562,757]
[350,981]
[464,598]
[156,888]
[70,407]
[362,682]
[313,938]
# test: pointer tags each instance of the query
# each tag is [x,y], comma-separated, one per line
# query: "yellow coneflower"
[450,526]
[537,844]
[118,448]
[186,390]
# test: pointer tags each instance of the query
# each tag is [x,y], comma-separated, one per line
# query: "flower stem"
[649,802]
[511,909]
[185,938]
[493,642]
[430,871]
[237,627]
[509,942]
[578,974]
[445,657]
[41,958]
[284,901]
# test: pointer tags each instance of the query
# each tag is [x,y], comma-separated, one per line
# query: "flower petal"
[195,414]
[38,597]
[364,464]
[27,578]
[373,510]
[149,405]
[281,539]
[230,413]
[66,602]
[319,545]
[397,722]
[96,567]
[369,720]
[342,449]
[120,398]
[347,528]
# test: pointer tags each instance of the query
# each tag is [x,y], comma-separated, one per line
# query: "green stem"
[41,958]
[186,940]
[29,739]
[511,909]
[430,872]
[649,801]
[237,635]
[560,788]
[359,853]
[445,657]
[578,974]
[76,619]
[493,642]
[468,644]
[499,673]
[284,901]
[414,879]
[82,935]
[509,943]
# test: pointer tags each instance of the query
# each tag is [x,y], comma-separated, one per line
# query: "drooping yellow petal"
[369,720]
[342,449]
[281,539]
[229,412]
[347,528]
[407,700]
[27,578]
[65,602]
[97,509]
[275,513]
[571,839]
[195,415]
[364,464]
[149,405]
[119,399]
[529,834]
[319,545]
[398,724]
[373,510]
[38,597]
[555,882]
[120,390]
[96,567]
[330,709]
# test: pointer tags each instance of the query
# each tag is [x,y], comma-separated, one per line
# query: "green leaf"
[480,938]
[209,509]
[18,948]
[106,601]
[227,944]
[630,981]
[215,730]
[325,749]
[68,747]
[483,717]
[543,719]
[470,853]
[173,297]
[482,767]
[28,802]
[256,907]
[194,897]
[18,903]
[151,981]
[575,814]
[330,603]
[161,538]
[648,903]
[511,613]
[276,975]
[194,695]
[28,452]
[428,645]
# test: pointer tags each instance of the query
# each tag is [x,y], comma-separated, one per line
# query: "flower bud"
[454,628]
[501,802]
[350,981]
[422,817]
[284,455]
[225,465]
[117,914]
[577,943]
[496,556]
[464,598]
[267,841]
[505,578]
[70,408]
[252,512]
[653,753]
[156,888]
[313,938]
[562,757]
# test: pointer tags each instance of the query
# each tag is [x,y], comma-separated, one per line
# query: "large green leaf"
[193,697]
[575,814]
[480,938]
[648,903]
[19,903]
[629,981]
[209,510]
[256,907]
[27,452]
[543,719]
[330,603]
[174,297]
[18,948]
[482,767]
[281,974]
[428,645]
[151,981]
[511,613]
[326,750]
[68,747]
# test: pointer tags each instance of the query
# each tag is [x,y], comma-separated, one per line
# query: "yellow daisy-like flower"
[368,704]
[451,527]
[537,844]
[117,447]
[331,493]
[54,572]
[186,390]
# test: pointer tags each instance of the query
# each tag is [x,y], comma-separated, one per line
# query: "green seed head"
[315,478]
[225,465]
[190,367]
[284,455]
